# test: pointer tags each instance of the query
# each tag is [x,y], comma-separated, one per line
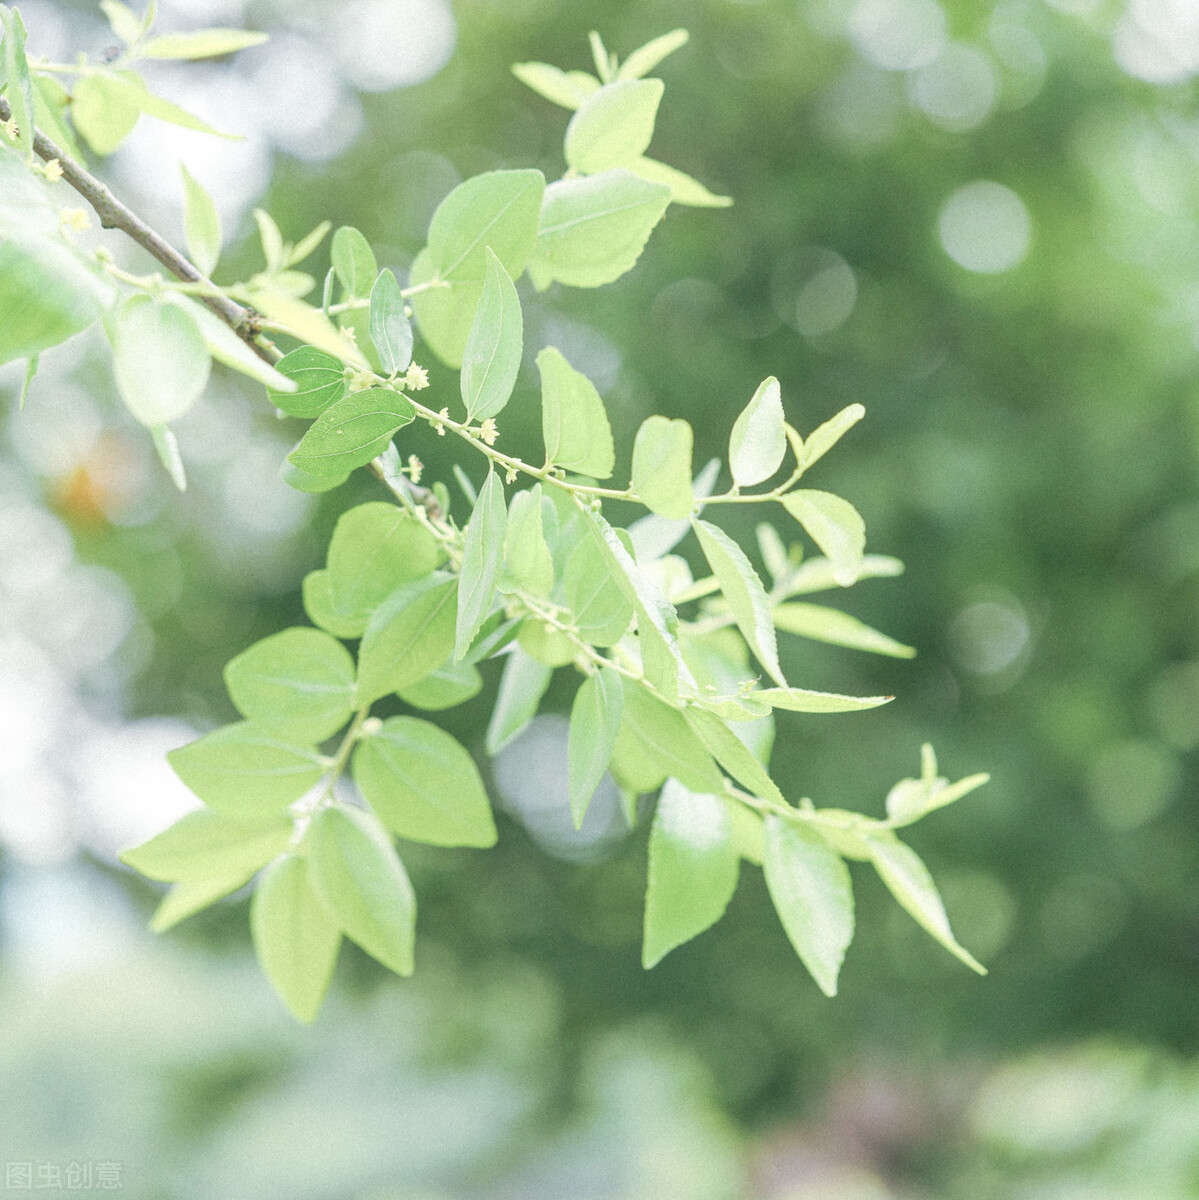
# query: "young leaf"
[352,431]
[206,845]
[491,358]
[654,537]
[124,22]
[359,877]
[410,634]
[190,896]
[247,773]
[103,112]
[816,575]
[298,683]
[50,101]
[353,262]
[835,526]
[601,610]
[201,223]
[801,700]
[423,785]
[526,554]
[551,82]
[907,878]
[128,90]
[662,466]
[733,754]
[522,685]
[911,799]
[837,628]
[30,375]
[307,245]
[594,724]
[202,43]
[389,328]
[667,740]
[166,445]
[683,189]
[613,127]
[19,90]
[295,938]
[744,592]
[822,439]
[809,884]
[642,61]
[482,557]
[594,228]
[758,443]
[318,604]
[693,869]
[160,362]
[319,381]
[573,421]
[375,548]
[447,687]
[271,240]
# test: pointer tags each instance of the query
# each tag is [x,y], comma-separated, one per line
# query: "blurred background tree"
[977,220]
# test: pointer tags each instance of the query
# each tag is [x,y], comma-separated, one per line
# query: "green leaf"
[693,869]
[103,112]
[19,86]
[298,683]
[190,896]
[206,845]
[654,536]
[46,294]
[758,444]
[389,327]
[822,439]
[247,773]
[359,877]
[744,592]
[482,557]
[295,938]
[302,481]
[594,724]
[307,245]
[662,466]
[605,63]
[683,189]
[271,240]
[123,21]
[166,445]
[201,224]
[491,358]
[551,82]
[809,884]
[30,374]
[666,739]
[160,361]
[748,832]
[526,554]
[375,548]
[498,209]
[911,799]
[816,575]
[306,323]
[410,634]
[802,700]
[593,229]
[733,754]
[835,526]
[837,628]
[601,610]
[423,785]
[352,431]
[908,879]
[50,101]
[645,59]
[319,380]
[447,687]
[522,685]
[613,126]
[203,43]
[318,604]
[573,421]
[353,262]
[226,347]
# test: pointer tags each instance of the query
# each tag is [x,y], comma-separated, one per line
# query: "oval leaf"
[594,724]
[491,358]
[662,466]
[353,262]
[482,556]
[574,424]
[613,126]
[835,526]
[522,685]
[837,628]
[160,361]
[351,432]
[666,739]
[389,326]
[201,223]
[758,443]
[206,845]
[526,554]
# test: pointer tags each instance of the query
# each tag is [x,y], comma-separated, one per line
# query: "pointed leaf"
[744,592]
[352,431]
[450,685]
[526,554]
[522,685]
[319,380]
[206,845]
[835,526]
[601,610]
[816,575]
[758,444]
[482,557]
[190,896]
[423,784]
[662,466]
[295,939]
[573,421]
[809,884]
[643,60]
[693,869]
[353,262]
[594,724]
[822,439]
[308,324]
[551,82]
[201,223]
[667,740]
[299,683]
[613,126]
[491,359]
[389,328]
[410,634]
[359,877]
[160,362]
[167,447]
[802,700]
[911,799]
[19,86]
[683,189]
[654,536]
[837,628]
[733,754]
[202,43]
[122,20]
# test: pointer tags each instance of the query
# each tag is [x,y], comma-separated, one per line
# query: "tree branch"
[115,215]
